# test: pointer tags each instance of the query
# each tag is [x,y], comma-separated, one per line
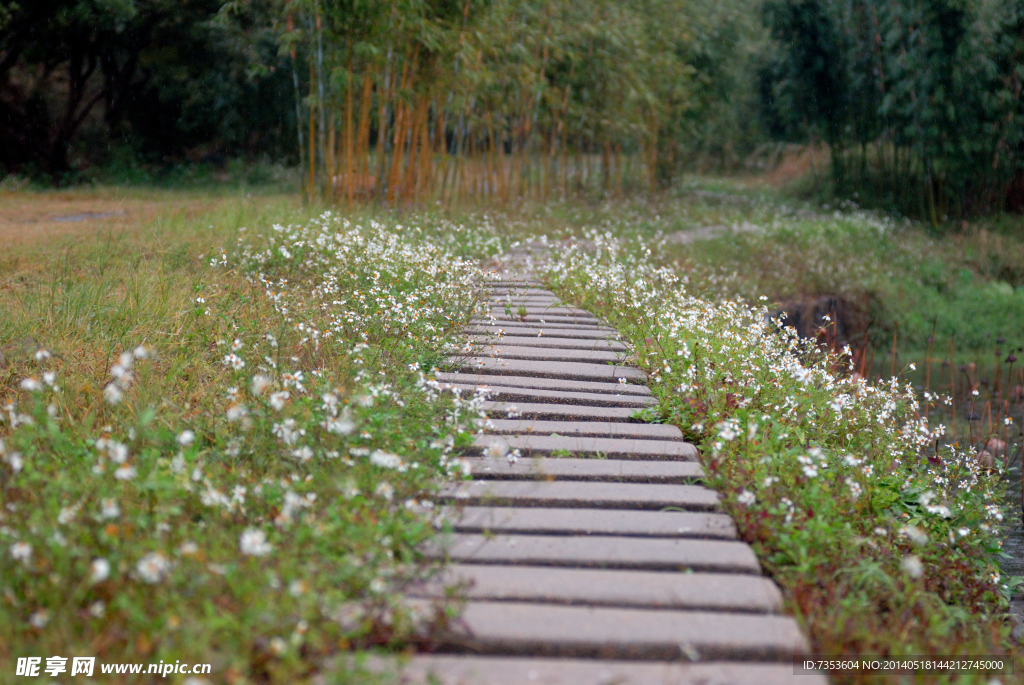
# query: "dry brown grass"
[33,217]
[37,226]
[795,165]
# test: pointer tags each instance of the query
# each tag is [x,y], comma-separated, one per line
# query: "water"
[1013,540]
[1013,543]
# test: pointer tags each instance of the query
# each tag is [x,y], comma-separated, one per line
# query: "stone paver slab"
[615,470]
[567,370]
[519,290]
[512,280]
[552,314]
[502,351]
[649,589]
[513,410]
[534,331]
[544,383]
[500,301]
[624,448]
[597,429]
[492,670]
[606,551]
[549,342]
[540,309]
[593,399]
[533,319]
[575,557]
[556,326]
[580,521]
[582,494]
[520,627]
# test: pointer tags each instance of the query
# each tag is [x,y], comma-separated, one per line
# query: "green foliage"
[224,458]
[919,100]
[654,80]
[882,543]
[82,80]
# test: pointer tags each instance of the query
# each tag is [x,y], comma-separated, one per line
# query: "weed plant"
[882,542]
[225,457]
[220,444]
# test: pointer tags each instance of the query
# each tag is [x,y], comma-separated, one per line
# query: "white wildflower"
[15,461]
[385,490]
[855,488]
[912,565]
[67,514]
[31,384]
[125,472]
[99,570]
[254,543]
[153,567]
[236,412]
[21,551]
[914,534]
[260,384]
[342,425]
[112,394]
[109,509]
[387,460]
[496,449]
[287,432]
[278,399]
[234,361]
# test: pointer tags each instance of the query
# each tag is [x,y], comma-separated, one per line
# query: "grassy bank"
[883,543]
[217,443]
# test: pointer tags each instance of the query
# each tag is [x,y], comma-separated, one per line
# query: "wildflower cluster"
[811,462]
[282,473]
[411,294]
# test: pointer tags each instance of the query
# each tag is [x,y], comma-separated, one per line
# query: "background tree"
[919,100]
[80,77]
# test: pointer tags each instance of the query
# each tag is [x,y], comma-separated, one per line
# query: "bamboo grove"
[464,100]
[919,101]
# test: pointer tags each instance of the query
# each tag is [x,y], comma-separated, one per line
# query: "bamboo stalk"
[330,158]
[383,114]
[349,139]
[312,134]
[362,151]
[928,374]
[895,331]
[952,389]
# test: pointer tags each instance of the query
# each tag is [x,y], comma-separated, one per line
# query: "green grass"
[163,504]
[882,543]
[190,283]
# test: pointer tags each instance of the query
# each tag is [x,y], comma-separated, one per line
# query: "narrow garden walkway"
[612,565]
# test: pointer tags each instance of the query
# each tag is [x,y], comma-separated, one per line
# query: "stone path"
[597,557]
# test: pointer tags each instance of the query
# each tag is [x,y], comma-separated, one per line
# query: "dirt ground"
[35,218]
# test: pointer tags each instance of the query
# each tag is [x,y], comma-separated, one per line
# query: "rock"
[807,317]
[995,446]
[708,232]
[986,460]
